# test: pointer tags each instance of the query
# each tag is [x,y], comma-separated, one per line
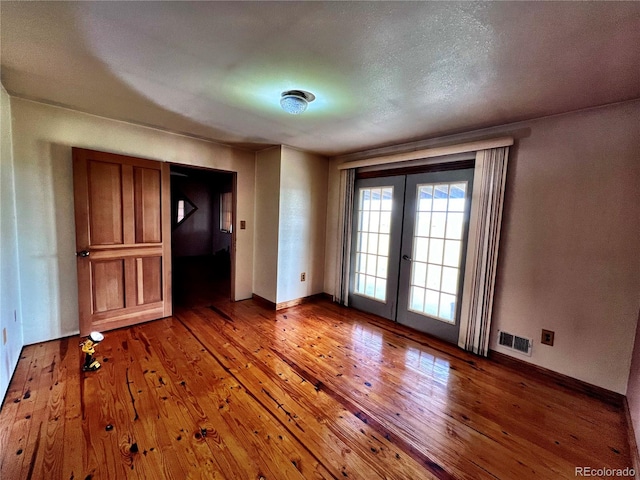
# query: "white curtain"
[343,260]
[482,250]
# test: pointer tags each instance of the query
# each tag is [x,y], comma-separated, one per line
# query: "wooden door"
[123,239]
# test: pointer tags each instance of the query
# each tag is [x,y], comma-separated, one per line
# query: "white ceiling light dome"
[296,101]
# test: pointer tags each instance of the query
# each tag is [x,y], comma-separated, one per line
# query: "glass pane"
[372,246]
[452,253]
[434,273]
[454,225]
[376,193]
[364,221]
[423,224]
[381,289]
[425,194]
[447,306]
[385,222]
[420,249]
[370,285]
[383,245]
[456,197]
[419,276]
[381,271]
[440,197]
[365,197]
[431,303]
[374,222]
[449,280]
[435,250]
[387,199]
[362,242]
[371,264]
[417,299]
[438,221]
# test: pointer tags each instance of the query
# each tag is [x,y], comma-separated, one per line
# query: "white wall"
[301,237]
[42,139]
[267,218]
[570,246]
[10,314]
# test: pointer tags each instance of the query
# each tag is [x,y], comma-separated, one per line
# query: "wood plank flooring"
[315,391]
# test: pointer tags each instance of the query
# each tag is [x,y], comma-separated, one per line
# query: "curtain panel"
[345,219]
[482,251]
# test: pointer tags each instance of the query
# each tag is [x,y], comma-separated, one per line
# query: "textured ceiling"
[383,72]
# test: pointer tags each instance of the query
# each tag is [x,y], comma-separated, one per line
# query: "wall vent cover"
[519,344]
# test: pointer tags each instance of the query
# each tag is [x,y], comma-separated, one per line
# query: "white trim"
[430,152]
[458,157]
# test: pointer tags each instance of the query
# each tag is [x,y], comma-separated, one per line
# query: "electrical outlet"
[547,337]
[243,224]
[303,276]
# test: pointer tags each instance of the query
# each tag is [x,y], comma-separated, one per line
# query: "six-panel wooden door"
[123,239]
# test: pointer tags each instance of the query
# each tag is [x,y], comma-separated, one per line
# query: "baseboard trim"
[633,445]
[291,303]
[612,398]
[263,301]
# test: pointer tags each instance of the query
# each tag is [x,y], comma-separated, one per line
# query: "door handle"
[83,253]
[407,257]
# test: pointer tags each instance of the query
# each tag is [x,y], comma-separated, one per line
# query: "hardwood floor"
[314,391]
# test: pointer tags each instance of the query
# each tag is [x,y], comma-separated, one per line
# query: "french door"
[408,249]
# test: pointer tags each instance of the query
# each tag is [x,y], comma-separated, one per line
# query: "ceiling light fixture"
[296,101]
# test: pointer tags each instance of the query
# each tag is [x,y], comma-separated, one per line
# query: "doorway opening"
[202,236]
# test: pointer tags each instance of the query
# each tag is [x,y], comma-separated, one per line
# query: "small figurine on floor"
[90,363]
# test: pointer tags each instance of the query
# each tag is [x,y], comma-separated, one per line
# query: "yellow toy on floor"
[88,347]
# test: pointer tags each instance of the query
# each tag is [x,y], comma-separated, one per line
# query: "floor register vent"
[519,344]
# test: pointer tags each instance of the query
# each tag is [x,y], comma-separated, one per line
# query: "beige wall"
[570,256]
[267,218]
[290,218]
[42,138]
[570,246]
[301,237]
[10,313]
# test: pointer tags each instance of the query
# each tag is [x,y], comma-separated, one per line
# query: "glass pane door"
[375,252]
[434,241]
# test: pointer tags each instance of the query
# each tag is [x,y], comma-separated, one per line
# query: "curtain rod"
[429,153]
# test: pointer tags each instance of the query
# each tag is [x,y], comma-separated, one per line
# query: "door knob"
[407,257]
[83,253]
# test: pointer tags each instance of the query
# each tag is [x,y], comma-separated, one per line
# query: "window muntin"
[437,250]
[372,242]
